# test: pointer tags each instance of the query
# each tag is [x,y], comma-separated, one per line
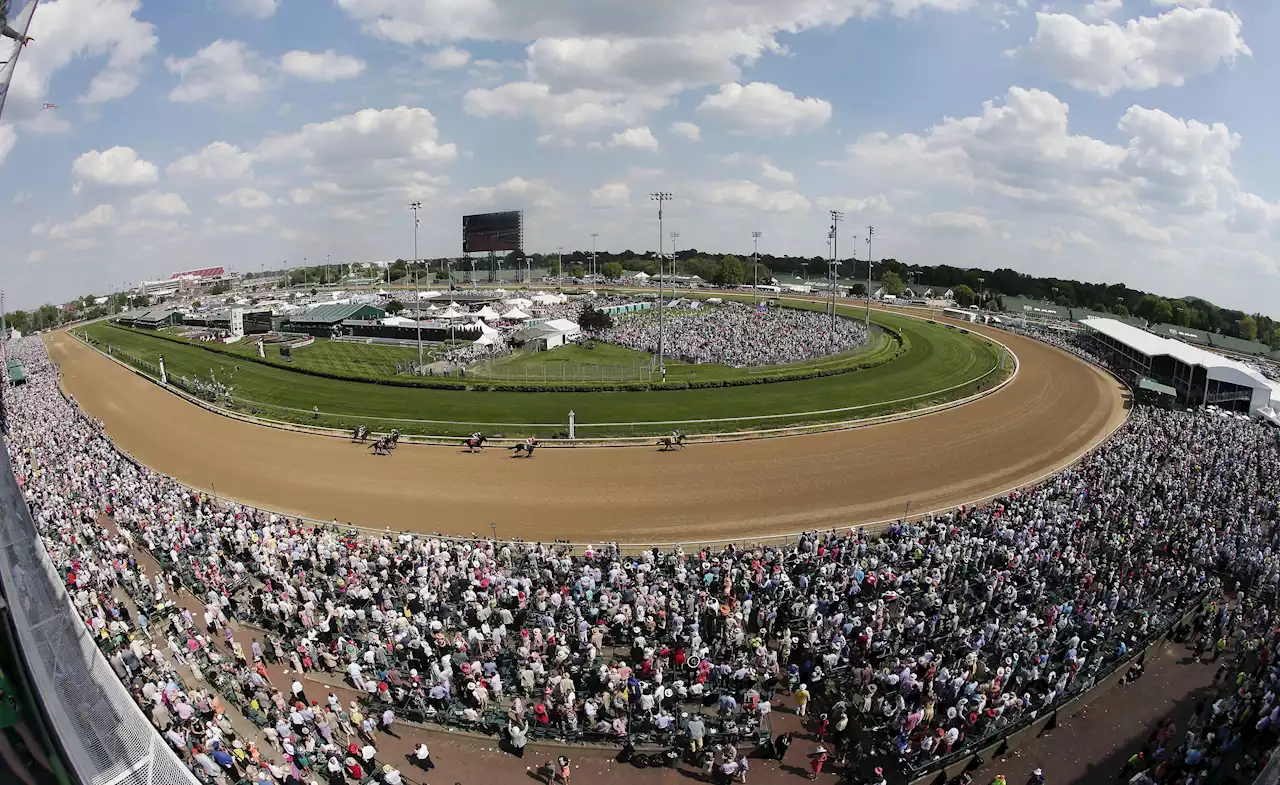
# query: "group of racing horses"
[384,445]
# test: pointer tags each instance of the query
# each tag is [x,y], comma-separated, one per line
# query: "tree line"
[971,286]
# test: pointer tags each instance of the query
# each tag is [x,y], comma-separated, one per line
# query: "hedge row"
[479,386]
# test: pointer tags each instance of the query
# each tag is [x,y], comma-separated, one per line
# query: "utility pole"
[661,197]
[755,265]
[417,295]
[595,268]
[674,236]
[836,218]
[871,230]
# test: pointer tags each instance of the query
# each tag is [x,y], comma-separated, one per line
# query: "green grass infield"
[930,363]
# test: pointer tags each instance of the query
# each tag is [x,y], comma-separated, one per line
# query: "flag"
[50,106]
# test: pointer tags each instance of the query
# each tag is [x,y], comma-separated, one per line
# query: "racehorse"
[360,434]
[473,444]
[383,445]
[524,449]
[671,442]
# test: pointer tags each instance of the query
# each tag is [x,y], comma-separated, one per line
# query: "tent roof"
[1147,383]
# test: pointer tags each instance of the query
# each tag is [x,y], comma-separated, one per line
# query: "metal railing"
[104,735]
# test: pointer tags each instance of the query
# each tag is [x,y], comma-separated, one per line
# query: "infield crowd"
[911,645]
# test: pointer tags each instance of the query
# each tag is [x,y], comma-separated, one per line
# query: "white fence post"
[572,431]
[164,378]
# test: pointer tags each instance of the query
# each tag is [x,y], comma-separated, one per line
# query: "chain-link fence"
[104,736]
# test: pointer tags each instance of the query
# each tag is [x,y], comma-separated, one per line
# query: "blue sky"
[1103,140]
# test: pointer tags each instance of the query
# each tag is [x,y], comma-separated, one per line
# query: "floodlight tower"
[755,264]
[417,295]
[871,230]
[836,218]
[595,268]
[661,197]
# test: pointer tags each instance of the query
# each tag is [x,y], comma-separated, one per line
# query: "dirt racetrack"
[1055,409]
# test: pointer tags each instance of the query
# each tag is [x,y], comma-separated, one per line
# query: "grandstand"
[1199,376]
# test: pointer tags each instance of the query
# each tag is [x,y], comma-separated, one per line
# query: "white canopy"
[428,295]
[641,276]
[433,309]
[397,321]
[515,315]
[518,302]
[487,330]
[452,313]
[486,313]
[484,340]
[549,299]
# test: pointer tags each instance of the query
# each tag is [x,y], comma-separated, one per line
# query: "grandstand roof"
[1189,334]
[203,272]
[1036,308]
[1219,367]
[338,312]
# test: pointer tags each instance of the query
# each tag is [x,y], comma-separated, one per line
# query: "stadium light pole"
[595,266]
[755,265]
[674,236]
[871,230]
[417,295]
[661,197]
[836,218]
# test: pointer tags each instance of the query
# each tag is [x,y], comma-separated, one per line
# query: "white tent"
[519,302]
[452,313]
[433,309]
[550,299]
[397,321]
[487,330]
[428,295]
[515,315]
[641,276]
[484,340]
[486,313]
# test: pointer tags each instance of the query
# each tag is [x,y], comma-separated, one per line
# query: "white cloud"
[365,153]
[258,9]
[68,31]
[764,109]
[1101,9]
[116,166]
[687,131]
[21,196]
[850,206]
[611,195]
[245,198]
[1058,239]
[1142,54]
[744,193]
[1183,3]
[216,161]
[536,193]
[327,66]
[224,71]
[447,58]
[635,139]
[98,217]
[776,175]
[963,221]
[154,202]
[576,110]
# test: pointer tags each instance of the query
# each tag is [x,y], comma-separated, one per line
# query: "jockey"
[532,441]
[475,437]
[675,434]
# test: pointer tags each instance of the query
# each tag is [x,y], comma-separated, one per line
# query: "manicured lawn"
[377,361]
[937,358]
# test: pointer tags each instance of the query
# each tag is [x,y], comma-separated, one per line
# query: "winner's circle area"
[1053,410]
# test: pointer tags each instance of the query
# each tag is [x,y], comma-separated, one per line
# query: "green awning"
[17,374]
[1151,385]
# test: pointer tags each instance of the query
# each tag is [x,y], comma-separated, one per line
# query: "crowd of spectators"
[911,645]
[736,334]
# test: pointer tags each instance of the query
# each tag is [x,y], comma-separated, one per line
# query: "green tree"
[612,270]
[964,295]
[1248,328]
[730,272]
[591,318]
[577,271]
[442,275]
[394,307]
[763,275]
[1100,308]
[1121,310]
[858,290]
[892,283]
[1163,311]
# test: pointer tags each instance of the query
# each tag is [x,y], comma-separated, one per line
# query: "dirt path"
[1057,408]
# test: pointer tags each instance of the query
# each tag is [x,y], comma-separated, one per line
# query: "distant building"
[1036,309]
[326,320]
[149,318]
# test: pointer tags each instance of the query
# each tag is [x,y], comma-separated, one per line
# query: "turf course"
[938,358]
[376,361]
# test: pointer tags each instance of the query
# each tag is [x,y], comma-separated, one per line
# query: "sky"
[1104,140]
